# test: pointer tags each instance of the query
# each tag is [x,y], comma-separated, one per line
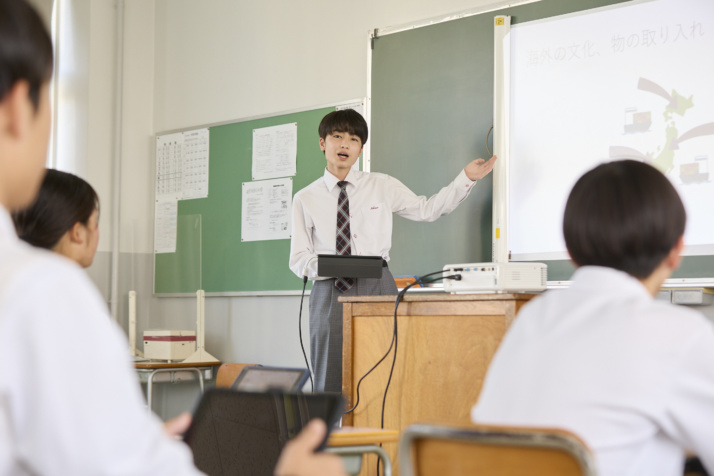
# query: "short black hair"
[344,120]
[63,200]
[25,49]
[624,215]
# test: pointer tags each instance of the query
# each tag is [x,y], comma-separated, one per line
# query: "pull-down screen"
[628,81]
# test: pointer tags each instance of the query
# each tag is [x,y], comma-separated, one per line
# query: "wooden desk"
[445,345]
[155,371]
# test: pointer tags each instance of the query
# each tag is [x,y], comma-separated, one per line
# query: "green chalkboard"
[209,252]
[432,108]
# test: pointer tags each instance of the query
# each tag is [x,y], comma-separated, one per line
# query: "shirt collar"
[331,181]
[608,280]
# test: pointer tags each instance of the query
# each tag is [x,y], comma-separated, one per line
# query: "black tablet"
[349,266]
[235,432]
[261,379]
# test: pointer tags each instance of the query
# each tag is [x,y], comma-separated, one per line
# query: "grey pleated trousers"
[326,325]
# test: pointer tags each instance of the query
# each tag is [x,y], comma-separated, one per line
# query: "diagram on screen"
[690,169]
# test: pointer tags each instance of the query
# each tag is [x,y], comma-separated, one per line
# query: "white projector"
[496,277]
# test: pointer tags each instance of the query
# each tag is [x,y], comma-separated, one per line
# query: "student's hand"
[479,168]
[178,426]
[299,458]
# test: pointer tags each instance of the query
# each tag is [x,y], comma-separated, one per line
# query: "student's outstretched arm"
[479,168]
[407,204]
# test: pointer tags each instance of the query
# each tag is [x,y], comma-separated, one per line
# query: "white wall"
[224,59]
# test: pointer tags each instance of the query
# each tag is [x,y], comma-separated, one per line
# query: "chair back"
[227,374]
[427,450]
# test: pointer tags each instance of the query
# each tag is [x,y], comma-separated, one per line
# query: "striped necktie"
[343,233]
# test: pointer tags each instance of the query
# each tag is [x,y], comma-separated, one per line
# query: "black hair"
[25,49]
[344,120]
[624,215]
[63,200]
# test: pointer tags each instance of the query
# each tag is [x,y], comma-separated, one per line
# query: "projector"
[496,277]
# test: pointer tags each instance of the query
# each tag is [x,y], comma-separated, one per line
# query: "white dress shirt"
[70,402]
[632,376]
[373,198]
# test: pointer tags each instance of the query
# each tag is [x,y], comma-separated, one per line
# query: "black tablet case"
[244,432]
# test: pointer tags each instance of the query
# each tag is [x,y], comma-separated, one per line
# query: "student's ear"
[16,110]
[78,233]
[322,144]
[674,258]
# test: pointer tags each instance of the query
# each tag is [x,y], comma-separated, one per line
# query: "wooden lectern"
[445,343]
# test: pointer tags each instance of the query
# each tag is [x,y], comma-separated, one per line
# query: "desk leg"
[360,451]
[150,382]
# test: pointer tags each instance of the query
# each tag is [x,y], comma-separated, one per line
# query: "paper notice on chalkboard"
[265,211]
[165,224]
[275,151]
[194,173]
[182,165]
[169,162]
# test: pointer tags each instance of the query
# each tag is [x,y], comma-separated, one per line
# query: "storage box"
[169,345]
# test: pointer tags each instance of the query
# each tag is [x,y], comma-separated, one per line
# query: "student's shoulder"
[362,175]
[379,178]
[316,187]
[29,270]
[680,317]
[670,329]
[19,260]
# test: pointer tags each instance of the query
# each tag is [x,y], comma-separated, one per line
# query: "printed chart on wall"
[631,81]
[181,174]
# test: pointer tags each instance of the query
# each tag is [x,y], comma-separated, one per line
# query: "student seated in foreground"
[631,375]
[63,218]
[70,403]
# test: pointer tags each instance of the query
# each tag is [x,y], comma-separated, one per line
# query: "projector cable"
[394,333]
[302,346]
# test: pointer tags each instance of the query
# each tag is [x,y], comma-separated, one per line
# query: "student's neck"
[669,264]
[653,283]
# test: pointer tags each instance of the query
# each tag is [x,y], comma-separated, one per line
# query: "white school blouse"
[70,402]
[632,376]
[373,198]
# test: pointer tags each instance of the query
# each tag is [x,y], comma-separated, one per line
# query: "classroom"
[187,64]
[131,69]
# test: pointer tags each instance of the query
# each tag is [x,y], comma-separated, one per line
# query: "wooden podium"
[445,343]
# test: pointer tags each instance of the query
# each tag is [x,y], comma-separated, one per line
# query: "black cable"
[302,346]
[395,334]
[400,296]
[391,344]
[488,134]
